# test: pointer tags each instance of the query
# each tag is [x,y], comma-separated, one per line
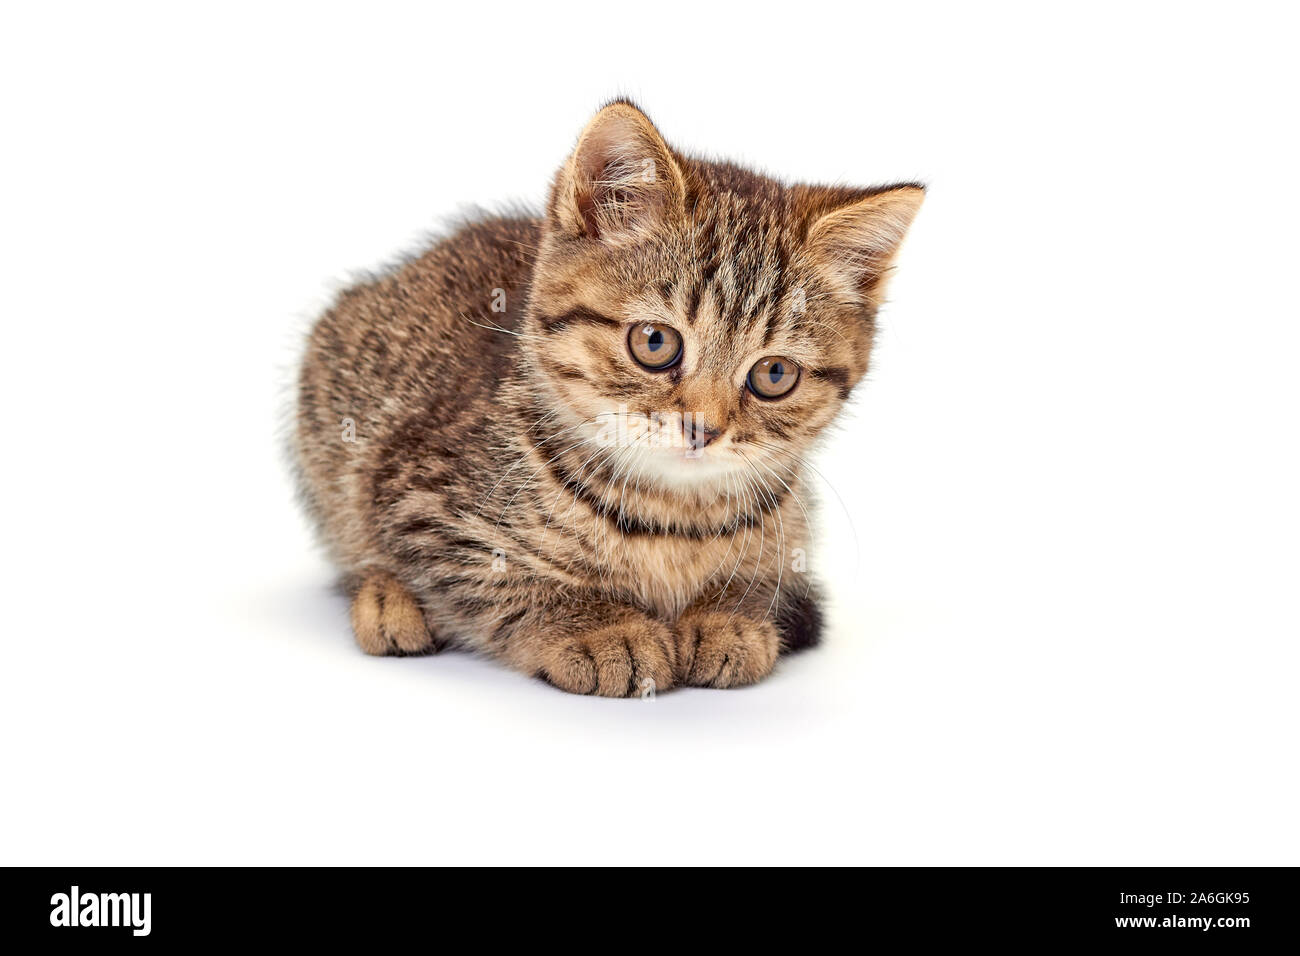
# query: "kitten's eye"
[655,347]
[773,377]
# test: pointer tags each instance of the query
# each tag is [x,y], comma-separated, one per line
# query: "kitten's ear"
[621,183]
[857,240]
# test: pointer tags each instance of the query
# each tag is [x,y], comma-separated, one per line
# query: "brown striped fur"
[475,505]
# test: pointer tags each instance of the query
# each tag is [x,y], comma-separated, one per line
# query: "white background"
[1064,568]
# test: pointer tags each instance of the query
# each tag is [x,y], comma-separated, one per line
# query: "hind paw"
[386,619]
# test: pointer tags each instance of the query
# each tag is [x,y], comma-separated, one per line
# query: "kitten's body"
[476,504]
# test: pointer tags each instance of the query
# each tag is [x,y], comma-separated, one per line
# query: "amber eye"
[655,347]
[773,377]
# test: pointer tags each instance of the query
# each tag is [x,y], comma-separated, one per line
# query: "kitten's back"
[409,344]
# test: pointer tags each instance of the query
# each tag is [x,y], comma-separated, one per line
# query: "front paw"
[716,649]
[632,657]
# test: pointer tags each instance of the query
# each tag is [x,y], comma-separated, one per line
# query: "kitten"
[576,442]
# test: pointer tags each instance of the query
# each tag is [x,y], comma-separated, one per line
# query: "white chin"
[677,468]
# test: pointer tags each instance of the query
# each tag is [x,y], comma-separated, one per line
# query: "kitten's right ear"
[621,184]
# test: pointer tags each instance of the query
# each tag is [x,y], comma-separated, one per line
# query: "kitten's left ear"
[621,183]
[858,240]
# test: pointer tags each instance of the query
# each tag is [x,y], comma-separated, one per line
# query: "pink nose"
[698,434]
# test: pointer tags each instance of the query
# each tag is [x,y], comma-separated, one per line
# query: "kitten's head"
[700,318]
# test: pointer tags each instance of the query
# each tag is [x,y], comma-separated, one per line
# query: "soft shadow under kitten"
[576,442]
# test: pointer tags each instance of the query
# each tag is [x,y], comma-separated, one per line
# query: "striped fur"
[451,454]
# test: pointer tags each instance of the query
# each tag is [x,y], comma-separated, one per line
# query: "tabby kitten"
[576,442]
